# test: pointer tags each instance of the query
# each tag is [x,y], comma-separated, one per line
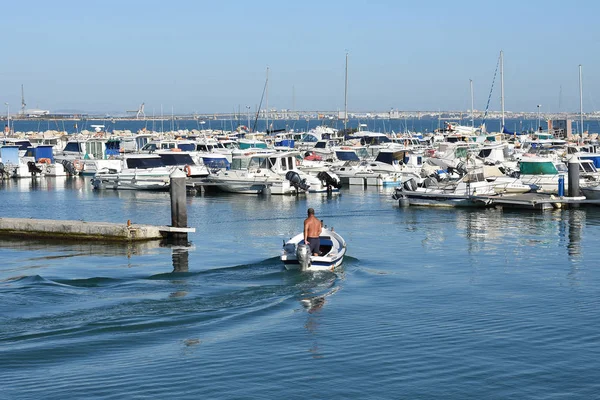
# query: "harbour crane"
[139,112]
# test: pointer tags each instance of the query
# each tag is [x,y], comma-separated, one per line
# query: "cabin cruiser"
[189,162]
[138,172]
[296,254]
[279,172]
[88,156]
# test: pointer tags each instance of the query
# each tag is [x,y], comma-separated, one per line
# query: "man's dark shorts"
[314,244]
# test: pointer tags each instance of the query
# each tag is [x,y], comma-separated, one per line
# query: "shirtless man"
[312,231]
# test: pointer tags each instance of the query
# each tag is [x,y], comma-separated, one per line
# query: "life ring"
[44,161]
[78,164]
[188,170]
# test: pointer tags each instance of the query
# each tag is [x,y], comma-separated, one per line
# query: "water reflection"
[575,220]
[44,183]
[314,306]
[180,258]
[127,249]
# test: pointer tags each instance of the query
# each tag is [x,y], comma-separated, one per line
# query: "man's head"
[311,211]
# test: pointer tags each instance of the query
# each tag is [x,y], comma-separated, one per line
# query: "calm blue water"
[376,125]
[451,304]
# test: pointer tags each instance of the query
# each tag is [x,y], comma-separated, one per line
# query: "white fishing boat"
[296,255]
[139,172]
[277,171]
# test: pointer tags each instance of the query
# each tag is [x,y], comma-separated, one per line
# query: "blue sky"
[211,56]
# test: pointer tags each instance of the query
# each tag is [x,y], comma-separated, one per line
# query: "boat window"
[346,155]
[562,168]
[73,146]
[272,162]
[144,163]
[201,147]
[176,159]
[258,162]
[149,147]
[485,153]
[216,163]
[587,167]
[170,145]
[362,152]
[460,152]
[284,164]
[320,145]
[187,146]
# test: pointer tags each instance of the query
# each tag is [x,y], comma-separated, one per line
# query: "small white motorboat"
[296,255]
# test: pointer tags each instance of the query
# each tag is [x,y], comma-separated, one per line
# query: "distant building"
[36,113]
[561,127]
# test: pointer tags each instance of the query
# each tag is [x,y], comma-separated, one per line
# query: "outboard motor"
[69,167]
[303,255]
[329,180]
[410,185]
[462,168]
[296,180]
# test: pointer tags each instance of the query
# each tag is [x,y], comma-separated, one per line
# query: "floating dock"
[83,230]
[539,201]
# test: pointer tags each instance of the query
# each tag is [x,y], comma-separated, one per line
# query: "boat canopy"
[541,168]
[41,151]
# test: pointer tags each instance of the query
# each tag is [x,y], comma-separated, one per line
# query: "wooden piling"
[178,205]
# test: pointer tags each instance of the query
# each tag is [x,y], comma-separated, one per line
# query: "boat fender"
[188,170]
[78,164]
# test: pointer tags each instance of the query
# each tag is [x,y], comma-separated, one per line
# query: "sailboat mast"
[502,88]
[472,104]
[267,101]
[22,101]
[580,101]
[346,96]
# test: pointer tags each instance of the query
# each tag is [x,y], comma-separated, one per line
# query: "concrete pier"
[82,230]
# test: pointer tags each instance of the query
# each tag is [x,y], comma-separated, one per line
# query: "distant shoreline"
[304,115]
